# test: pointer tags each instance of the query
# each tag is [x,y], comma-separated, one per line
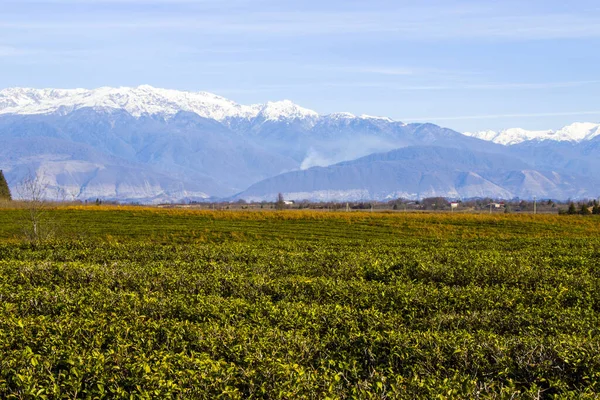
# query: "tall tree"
[584,210]
[280,204]
[4,189]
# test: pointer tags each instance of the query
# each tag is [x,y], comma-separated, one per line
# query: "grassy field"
[147,303]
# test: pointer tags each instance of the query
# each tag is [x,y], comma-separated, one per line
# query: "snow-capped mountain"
[143,100]
[149,145]
[283,110]
[147,100]
[576,132]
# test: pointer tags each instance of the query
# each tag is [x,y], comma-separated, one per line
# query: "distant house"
[288,202]
[495,205]
[454,205]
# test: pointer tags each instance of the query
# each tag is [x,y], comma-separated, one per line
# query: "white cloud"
[8,51]
[415,24]
[387,70]
[148,2]
[494,116]
[395,87]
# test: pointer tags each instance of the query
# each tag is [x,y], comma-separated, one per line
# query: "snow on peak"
[142,100]
[341,115]
[580,131]
[148,100]
[386,119]
[576,132]
[137,101]
[285,109]
[509,136]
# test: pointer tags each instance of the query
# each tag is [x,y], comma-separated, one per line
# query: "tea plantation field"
[148,303]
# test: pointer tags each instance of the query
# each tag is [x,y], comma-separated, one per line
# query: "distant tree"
[596,209]
[38,224]
[280,203]
[4,189]
[523,205]
[584,210]
[572,209]
[434,203]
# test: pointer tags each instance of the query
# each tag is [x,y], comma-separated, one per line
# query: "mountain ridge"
[576,132]
[417,172]
[148,100]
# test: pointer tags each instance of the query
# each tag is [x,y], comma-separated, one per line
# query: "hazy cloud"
[8,51]
[493,116]
[416,24]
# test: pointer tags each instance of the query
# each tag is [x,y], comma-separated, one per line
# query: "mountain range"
[154,145]
[421,171]
[576,132]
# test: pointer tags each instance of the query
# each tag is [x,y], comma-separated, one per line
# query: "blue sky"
[467,65]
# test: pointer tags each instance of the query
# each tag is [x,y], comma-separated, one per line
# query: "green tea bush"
[148,304]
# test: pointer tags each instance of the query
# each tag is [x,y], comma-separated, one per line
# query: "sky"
[467,65]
